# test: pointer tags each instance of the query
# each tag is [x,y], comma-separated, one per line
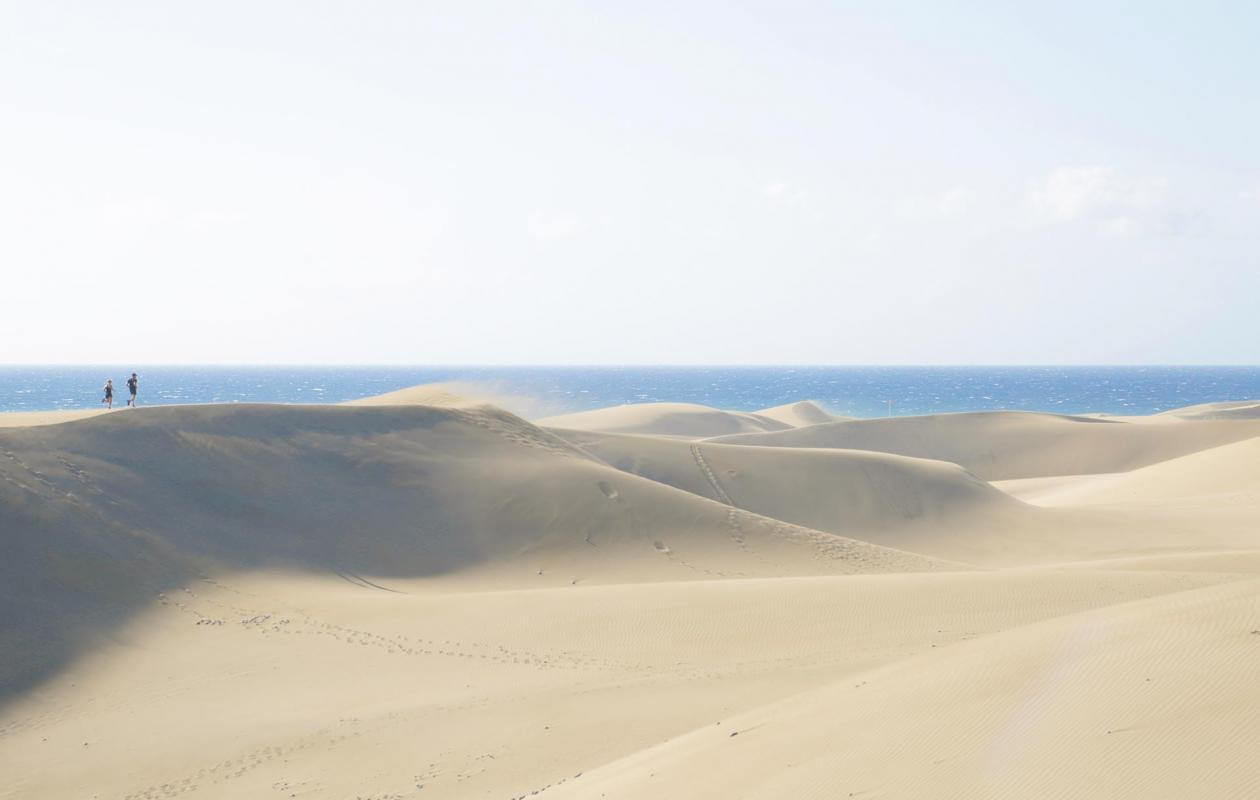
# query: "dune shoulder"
[895,500]
[1227,474]
[800,414]
[27,419]
[1016,444]
[688,420]
[1244,409]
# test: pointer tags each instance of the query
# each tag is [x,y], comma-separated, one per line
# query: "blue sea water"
[534,391]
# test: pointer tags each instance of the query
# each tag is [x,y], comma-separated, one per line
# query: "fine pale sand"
[1016,444]
[26,419]
[672,419]
[423,595]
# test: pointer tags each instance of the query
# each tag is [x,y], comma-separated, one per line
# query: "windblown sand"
[424,596]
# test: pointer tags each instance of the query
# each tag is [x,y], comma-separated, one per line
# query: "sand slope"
[799,414]
[1014,444]
[936,508]
[1225,475]
[250,685]
[414,490]
[26,419]
[442,395]
[451,394]
[101,514]
[1246,409]
[669,419]
[1150,700]
[852,491]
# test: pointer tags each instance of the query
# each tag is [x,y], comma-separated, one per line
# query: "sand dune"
[1013,444]
[442,395]
[1229,474]
[410,489]
[924,506]
[453,394]
[27,419]
[687,420]
[800,414]
[422,595]
[99,515]
[1246,409]
[835,490]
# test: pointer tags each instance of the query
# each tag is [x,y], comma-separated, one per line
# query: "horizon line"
[593,365]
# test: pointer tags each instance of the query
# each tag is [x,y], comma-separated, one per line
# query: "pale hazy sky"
[629,182]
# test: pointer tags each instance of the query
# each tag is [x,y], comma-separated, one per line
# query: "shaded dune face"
[101,515]
[1015,444]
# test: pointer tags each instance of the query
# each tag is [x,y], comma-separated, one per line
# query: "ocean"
[537,391]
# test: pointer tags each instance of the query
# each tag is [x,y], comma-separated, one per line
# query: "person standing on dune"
[132,385]
[108,399]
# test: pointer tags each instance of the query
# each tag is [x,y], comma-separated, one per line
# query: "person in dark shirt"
[108,399]
[132,385]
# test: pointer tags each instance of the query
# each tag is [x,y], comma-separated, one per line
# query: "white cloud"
[955,201]
[548,226]
[1119,226]
[782,193]
[207,221]
[132,217]
[949,204]
[1112,201]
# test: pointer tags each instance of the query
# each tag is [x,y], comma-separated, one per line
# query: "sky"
[629,183]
